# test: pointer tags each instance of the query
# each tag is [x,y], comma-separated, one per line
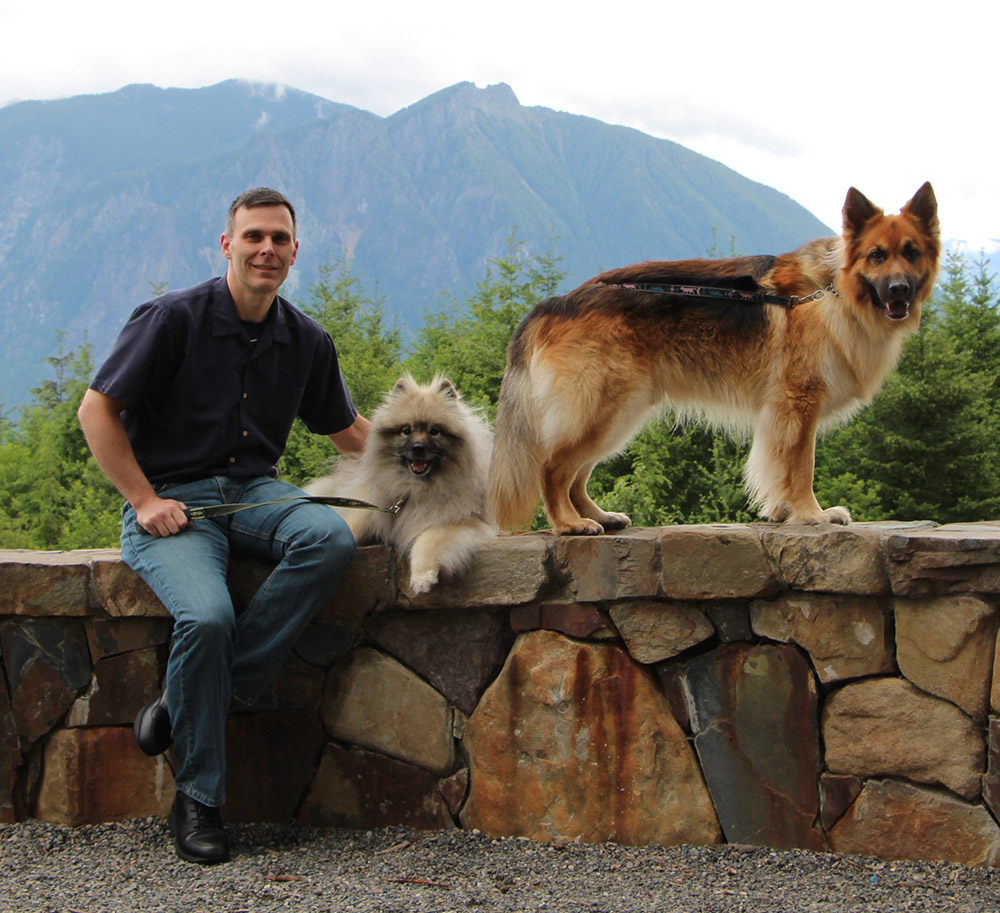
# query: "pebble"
[131,866]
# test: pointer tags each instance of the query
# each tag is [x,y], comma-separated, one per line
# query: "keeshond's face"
[419,428]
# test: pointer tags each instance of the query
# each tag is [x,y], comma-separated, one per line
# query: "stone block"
[271,761]
[753,712]
[836,794]
[828,558]
[602,568]
[655,631]
[887,727]
[946,645]
[97,775]
[845,636]
[120,591]
[48,664]
[10,756]
[377,703]
[112,636]
[731,620]
[575,741]
[991,779]
[119,687]
[322,643]
[583,621]
[896,820]
[47,584]
[360,789]
[298,685]
[459,653]
[506,571]
[714,562]
[958,558]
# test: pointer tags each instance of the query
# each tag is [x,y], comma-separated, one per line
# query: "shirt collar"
[226,322]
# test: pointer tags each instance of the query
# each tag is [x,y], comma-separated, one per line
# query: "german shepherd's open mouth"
[893,296]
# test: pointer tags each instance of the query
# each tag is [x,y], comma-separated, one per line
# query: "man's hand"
[161,516]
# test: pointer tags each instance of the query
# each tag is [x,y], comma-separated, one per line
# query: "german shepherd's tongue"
[898,308]
[418,467]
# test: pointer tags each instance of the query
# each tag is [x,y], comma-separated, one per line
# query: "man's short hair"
[258,196]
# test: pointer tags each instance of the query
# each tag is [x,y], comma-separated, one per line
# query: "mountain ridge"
[104,196]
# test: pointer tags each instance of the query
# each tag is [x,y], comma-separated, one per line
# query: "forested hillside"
[928,448]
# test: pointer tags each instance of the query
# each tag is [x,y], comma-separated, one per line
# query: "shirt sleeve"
[327,406]
[137,357]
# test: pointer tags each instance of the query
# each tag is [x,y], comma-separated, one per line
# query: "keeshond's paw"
[421,582]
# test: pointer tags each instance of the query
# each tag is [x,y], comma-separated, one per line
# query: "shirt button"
[244,395]
[245,433]
[232,459]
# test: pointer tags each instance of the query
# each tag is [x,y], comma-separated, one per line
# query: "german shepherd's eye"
[406,430]
[434,430]
[877,255]
[911,252]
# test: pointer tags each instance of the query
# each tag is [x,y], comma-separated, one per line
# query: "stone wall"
[826,688]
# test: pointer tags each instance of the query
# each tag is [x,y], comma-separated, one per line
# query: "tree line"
[927,448]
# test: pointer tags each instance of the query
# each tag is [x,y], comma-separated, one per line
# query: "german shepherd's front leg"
[782,462]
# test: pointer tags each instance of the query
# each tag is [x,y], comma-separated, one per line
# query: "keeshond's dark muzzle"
[420,454]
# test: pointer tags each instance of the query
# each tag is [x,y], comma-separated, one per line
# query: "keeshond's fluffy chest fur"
[427,446]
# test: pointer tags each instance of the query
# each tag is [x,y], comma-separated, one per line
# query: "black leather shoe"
[198,832]
[152,727]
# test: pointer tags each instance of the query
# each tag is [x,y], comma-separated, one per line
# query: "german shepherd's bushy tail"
[515,479]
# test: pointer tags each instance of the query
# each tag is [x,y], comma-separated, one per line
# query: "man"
[193,408]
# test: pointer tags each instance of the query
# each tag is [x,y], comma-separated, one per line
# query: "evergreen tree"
[467,341]
[369,350]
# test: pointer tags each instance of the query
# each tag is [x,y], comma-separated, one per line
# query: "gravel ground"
[131,866]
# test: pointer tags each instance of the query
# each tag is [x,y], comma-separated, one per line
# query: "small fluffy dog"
[428,446]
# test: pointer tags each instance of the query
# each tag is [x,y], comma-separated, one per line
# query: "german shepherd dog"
[586,370]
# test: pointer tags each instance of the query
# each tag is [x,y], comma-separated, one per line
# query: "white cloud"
[805,98]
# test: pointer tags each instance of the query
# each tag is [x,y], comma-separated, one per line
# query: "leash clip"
[818,295]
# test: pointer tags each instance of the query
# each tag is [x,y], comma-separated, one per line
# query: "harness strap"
[707,291]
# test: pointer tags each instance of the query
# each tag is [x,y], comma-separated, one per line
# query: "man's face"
[262,248]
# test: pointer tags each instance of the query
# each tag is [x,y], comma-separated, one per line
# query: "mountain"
[104,196]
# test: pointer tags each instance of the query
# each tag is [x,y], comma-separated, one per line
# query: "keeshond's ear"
[446,388]
[405,383]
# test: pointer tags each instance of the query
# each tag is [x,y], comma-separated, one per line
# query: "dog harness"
[729,294]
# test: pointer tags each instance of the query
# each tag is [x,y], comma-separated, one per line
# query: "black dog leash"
[220,510]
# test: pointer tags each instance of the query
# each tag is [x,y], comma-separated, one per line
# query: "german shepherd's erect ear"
[858,209]
[923,207]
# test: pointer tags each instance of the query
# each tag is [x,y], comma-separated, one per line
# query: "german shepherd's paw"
[579,526]
[839,515]
[612,522]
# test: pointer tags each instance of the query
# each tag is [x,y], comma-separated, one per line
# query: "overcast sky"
[809,98]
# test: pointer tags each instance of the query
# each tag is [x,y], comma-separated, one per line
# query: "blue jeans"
[217,656]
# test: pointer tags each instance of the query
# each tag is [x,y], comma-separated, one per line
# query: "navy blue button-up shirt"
[201,401]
